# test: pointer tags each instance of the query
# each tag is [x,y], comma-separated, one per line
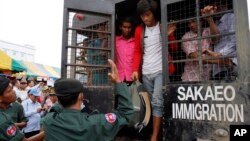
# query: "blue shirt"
[227,44]
[30,110]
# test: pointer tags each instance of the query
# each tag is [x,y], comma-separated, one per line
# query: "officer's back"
[69,124]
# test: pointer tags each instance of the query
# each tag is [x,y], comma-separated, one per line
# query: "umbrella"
[10,64]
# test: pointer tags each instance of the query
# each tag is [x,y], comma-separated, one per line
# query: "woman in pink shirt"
[124,50]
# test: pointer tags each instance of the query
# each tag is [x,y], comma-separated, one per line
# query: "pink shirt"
[124,52]
[191,69]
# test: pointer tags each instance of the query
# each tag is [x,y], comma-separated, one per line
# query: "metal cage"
[89,31]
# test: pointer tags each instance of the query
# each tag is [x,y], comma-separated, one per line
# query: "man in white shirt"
[148,52]
[33,111]
[22,92]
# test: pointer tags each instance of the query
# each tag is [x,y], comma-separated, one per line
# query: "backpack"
[141,105]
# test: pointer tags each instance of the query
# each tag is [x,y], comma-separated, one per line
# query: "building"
[18,52]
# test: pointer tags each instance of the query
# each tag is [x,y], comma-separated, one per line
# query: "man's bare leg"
[156,128]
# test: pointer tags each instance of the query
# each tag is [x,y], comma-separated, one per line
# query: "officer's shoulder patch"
[11,130]
[110,117]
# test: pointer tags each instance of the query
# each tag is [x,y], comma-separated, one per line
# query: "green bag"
[141,105]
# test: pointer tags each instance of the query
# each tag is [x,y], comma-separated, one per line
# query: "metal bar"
[193,18]
[242,39]
[164,43]
[64,43]
[89,41]
[92,48]
[205,58]
[113,35]
[200,38]
[88,30]
[199,41]
[88,65]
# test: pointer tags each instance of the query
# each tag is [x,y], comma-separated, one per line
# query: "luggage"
[141,105]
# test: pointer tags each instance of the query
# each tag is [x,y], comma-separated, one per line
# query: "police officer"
[70,124]
[8,130]
[16,112]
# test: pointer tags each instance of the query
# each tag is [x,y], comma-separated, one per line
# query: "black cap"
[4,83]
[67,86]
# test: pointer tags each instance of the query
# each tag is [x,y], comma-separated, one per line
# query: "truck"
[210,109]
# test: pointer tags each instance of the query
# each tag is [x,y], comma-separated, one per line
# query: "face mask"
[82,106]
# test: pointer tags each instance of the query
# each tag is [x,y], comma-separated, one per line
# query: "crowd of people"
[32,101]
[219,46]
[138,57]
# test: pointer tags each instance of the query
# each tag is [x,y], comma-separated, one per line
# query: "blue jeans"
[153,84]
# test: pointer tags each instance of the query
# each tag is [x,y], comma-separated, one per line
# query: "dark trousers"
[30,134]
[220,76]
[229,75]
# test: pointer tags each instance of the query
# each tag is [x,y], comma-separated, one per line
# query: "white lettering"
[197,93]
[181,94]
[198,117]
[205,110]
[230,110]
[221,112]
[227,91]
[239,113]
[179,111]
[215,112]
[212,113]
[189,94]
[243,131]
[209,93]
[237,132]
[220,93]
[217,92]
[173,109]
[188,111]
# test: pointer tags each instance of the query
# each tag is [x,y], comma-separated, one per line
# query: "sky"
[34,22]
[37,23]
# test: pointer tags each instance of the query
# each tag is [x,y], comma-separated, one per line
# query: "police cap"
[67,86]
